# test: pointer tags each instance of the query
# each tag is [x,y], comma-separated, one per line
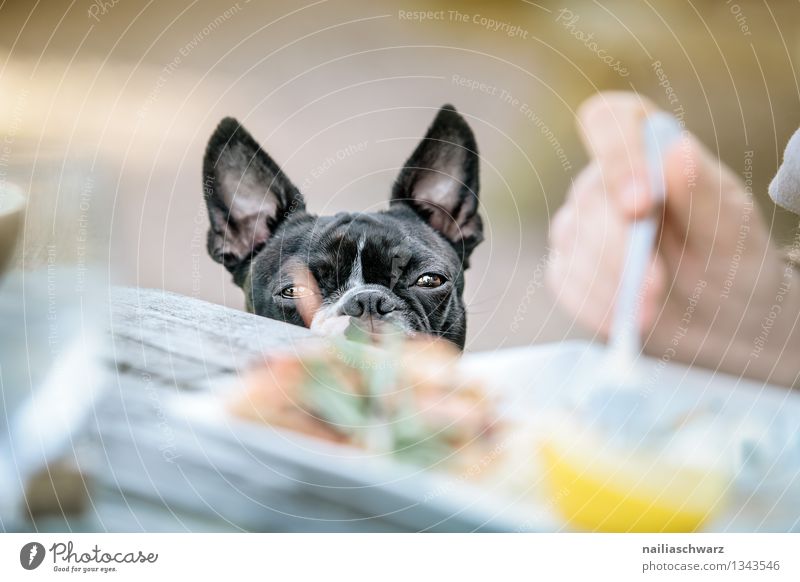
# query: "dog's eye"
[430,281]
[295,292]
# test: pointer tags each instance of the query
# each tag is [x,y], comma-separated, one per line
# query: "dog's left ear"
[440,182]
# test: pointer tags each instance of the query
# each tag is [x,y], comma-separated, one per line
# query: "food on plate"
[405,398]
[412,401]
[273,397]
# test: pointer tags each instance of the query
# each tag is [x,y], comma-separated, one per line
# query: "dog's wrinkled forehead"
[367,248]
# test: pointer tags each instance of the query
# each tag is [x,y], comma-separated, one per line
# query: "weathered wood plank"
[169,334]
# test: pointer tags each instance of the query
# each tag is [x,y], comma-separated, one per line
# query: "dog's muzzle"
[362,313]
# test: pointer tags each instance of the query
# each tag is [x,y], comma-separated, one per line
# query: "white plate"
[309,485]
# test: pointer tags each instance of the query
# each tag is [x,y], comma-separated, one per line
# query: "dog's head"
[402,268]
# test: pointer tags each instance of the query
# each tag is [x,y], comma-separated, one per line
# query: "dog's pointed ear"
[440,182]
[246,193]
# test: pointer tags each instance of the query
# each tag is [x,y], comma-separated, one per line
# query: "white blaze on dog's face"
[396,271]
[359,309]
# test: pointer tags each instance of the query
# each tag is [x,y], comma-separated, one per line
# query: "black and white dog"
[403,266]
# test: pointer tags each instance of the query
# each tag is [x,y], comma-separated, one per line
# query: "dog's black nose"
[366,303]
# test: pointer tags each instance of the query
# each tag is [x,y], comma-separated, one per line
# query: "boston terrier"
[400,269]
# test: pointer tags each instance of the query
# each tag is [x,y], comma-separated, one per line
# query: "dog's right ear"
[246,193]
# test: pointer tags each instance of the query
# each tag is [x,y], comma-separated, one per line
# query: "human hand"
[716,276]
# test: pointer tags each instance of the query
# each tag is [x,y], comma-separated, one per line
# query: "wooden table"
[149,468]
[183,342]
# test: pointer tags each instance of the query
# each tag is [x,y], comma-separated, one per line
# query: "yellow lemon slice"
[601,491]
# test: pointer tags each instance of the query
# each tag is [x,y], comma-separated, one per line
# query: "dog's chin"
[365,331]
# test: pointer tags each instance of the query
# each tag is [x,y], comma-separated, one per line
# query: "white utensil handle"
[624,339]
[659,131]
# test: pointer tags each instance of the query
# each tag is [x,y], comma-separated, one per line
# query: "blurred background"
[339,92]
